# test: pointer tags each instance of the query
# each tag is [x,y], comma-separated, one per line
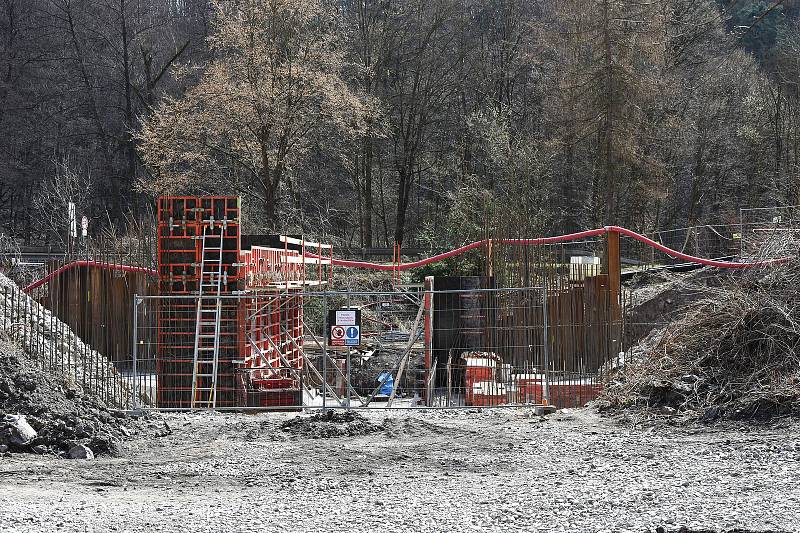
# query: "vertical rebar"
[324,350]
[545,350]
[135,387]
[741,233]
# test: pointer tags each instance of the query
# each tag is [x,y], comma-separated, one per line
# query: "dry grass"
[735,353]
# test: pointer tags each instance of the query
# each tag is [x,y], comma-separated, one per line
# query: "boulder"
[81,451]
[16,431]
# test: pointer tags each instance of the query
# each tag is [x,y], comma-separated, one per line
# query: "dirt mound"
[330,424]
[657,298]
[734,353]
[62,417]
[41,332]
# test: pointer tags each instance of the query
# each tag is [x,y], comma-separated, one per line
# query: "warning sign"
[345,327]
[337,335]
[346,317]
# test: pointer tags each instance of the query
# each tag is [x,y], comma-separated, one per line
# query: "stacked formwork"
[261,335]
[181,224]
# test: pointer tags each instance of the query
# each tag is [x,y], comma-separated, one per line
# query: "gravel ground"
[494,470]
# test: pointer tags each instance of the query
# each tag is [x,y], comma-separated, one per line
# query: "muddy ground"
[495,470]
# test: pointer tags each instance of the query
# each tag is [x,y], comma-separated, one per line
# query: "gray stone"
[81,451]
[17,430]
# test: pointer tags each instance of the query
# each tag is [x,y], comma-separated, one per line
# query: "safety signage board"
[346,317]
[344,327]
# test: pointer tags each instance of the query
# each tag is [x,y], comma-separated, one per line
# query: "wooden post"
[614,271]
[428,300]
[489,259]
[613,268]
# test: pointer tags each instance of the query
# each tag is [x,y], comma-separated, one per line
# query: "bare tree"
[274,82]
[69,184]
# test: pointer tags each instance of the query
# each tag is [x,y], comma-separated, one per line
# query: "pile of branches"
[735,353]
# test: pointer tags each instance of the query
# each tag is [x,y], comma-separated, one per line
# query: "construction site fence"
[759,234]
[417,348]
[52,346]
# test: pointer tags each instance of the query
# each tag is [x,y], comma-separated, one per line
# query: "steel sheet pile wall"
[584,320]
[181,221]
[96,304]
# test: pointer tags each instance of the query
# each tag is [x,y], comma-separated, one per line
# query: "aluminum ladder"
[208,321]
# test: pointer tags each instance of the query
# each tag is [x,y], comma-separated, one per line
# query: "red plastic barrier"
[98,264]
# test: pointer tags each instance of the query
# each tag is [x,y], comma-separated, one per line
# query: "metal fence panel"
[431,348]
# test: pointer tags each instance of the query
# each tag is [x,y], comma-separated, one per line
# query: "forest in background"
[365,122]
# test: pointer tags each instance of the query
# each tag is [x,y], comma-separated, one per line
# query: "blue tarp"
[388,383]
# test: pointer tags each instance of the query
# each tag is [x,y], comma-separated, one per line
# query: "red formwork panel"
[175,347]
[488,394]
[274,338]
[274,326]
[262,333]
[182,221]
[270,267]
[563,393]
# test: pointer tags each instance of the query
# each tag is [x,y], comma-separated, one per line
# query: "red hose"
[551,240]
[99,264]
[452,253]
[691,258]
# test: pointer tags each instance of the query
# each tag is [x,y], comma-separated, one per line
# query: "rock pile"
[330,424]
[43,413]
[53,343]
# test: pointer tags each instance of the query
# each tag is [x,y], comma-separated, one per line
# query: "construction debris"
[330,424]
[16,431]
[80,451]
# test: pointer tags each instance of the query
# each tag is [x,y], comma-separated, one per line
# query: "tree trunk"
[269,179]
[10,13]
[270,219]
[403,190]
[608,127]
[130,148]
[367,205]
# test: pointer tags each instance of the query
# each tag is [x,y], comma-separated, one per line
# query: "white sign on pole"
[73,222]
[84,227]
[346,318]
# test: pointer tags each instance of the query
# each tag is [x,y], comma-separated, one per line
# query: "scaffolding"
[215,351]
